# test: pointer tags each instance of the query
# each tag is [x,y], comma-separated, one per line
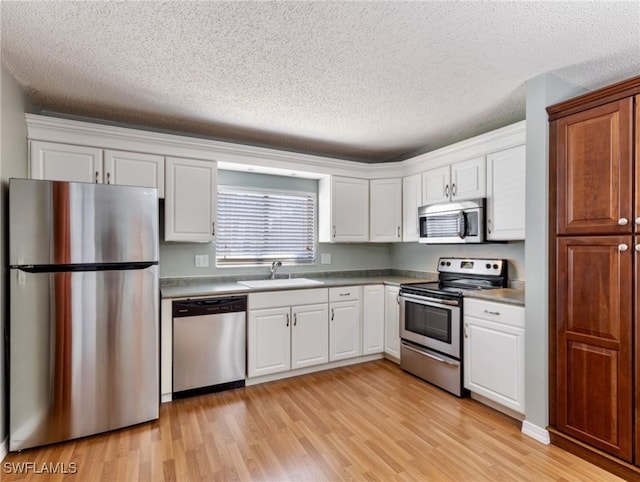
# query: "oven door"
[431,322]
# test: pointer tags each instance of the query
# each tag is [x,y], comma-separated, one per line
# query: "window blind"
[257,227]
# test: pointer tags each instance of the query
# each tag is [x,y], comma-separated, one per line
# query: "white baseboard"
[4,449]
[538,433]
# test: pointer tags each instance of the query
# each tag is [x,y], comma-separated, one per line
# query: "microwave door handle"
[462,225]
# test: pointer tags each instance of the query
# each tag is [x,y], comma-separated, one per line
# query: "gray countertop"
[195,287]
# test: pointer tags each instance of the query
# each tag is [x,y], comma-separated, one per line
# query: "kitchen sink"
[280,283]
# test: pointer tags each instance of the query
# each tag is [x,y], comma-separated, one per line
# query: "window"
[258,226]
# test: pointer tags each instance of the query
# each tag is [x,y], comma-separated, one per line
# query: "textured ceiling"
[372,81]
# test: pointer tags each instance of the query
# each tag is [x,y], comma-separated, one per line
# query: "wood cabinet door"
[134,169]
[309,335]
[468,179]
[64,162]
[190,207]
[594,341]
[385,210]
[594,170]
[349,209]
[268,341]
[345,333]
[637,167]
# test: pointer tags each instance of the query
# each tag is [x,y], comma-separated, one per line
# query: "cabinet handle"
[622,247]
[489,226]
[345,294]
[453,189]
[97,174]
[637,221]
[637,247]
[213,228]
[334,231]
[497,313]
[108,178]
[332,314]
[287,319]
[295,319]
[466,325]
[446,190]
[623,222]
[398,231]
[398,299]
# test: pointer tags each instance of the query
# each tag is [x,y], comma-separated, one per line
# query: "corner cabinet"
[494,352]
[594,270]
[190,200]
[385,216]
[506,194]
[411,201]
[343,211]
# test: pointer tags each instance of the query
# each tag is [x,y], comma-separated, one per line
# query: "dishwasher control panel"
[209,306]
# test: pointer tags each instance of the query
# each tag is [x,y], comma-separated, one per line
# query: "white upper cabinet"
[411,201]
[64,162]
[385,220]
[460,181]
[506,194]
[190,204]
[343,211]
[134,169]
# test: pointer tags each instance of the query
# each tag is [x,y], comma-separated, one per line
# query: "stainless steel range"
[431,319]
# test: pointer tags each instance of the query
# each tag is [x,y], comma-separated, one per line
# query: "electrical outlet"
[202,260]
[325,258]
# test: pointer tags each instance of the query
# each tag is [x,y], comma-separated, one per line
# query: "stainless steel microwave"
[452,223]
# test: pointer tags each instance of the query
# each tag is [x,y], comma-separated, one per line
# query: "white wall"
[541,92]
[13,163]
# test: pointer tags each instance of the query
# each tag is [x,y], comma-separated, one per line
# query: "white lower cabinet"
[372,319]
[494,352]
[281,338]
[392,321]
[345,332]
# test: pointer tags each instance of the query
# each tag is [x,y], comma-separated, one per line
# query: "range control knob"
[495,266]
[441,263]
[488,266]
[448,263]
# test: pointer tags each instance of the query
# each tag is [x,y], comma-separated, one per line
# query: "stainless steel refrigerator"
[83,331]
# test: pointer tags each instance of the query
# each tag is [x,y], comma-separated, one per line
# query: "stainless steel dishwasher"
[209,345]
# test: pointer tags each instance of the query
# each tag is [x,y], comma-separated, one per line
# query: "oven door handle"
[421,300]
[429,355]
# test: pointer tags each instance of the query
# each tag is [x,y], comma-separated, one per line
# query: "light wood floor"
[365,422]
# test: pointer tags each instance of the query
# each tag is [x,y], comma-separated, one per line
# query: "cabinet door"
[436,185]
[269,341]
[309,335]
[411,201]
[349,209]
[373,319]
[494,362]
[594,341]
[345,334]
[385,218]
[392,321]
[506,194]
[134,169]
[594,170]
[190,204]
[468,179]
[64,162]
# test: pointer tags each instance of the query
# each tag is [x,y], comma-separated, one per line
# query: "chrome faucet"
[274,267]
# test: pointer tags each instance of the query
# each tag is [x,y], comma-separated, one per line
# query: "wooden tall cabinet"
[594,270]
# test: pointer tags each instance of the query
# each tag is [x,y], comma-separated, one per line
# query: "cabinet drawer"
[504,313]
[274,299]
[345,293]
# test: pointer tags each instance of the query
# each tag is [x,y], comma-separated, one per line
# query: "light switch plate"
[202,260]
[325,258]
